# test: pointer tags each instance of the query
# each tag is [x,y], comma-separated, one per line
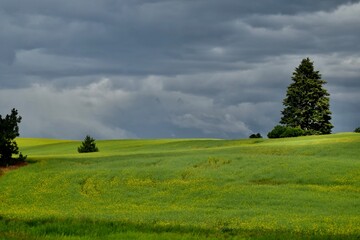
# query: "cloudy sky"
[171,68]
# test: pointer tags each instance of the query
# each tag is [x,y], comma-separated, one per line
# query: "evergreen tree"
[307,102]
[9,130]
[88,145]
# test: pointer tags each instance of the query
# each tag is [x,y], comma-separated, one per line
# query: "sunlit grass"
[185,189]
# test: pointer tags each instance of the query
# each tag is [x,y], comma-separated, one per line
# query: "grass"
[306,187]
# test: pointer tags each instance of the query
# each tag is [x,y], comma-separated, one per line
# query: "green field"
[298,188]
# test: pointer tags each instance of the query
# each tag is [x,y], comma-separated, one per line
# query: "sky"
[118,69]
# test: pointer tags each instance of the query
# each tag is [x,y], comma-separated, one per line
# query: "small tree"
[88,145]
[9,130]
[357,130]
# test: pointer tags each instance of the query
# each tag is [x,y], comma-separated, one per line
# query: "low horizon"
[173,138]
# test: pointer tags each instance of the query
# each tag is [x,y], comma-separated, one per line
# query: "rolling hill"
[305,187]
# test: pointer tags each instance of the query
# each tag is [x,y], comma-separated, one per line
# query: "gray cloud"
[124,69]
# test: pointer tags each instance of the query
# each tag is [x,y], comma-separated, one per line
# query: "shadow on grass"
[16,165]
[83,228]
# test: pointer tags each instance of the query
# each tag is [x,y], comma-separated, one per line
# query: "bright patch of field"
[307,187]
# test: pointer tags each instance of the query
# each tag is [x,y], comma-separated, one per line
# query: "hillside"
[185,189]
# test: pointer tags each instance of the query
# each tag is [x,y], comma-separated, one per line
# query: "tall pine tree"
[307,102]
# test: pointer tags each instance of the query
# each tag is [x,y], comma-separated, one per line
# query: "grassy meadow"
[296,188]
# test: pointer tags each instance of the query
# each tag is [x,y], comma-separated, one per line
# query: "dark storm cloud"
[136,68]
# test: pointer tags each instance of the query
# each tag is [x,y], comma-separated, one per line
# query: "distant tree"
[357,130]
[257,135]
[88,145]
[307,102]
[9,130]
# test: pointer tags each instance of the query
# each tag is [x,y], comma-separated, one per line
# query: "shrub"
[257,135]
[357,130]
[88,145]
[280,131]
[277,131]
[311,132]
[292,132]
